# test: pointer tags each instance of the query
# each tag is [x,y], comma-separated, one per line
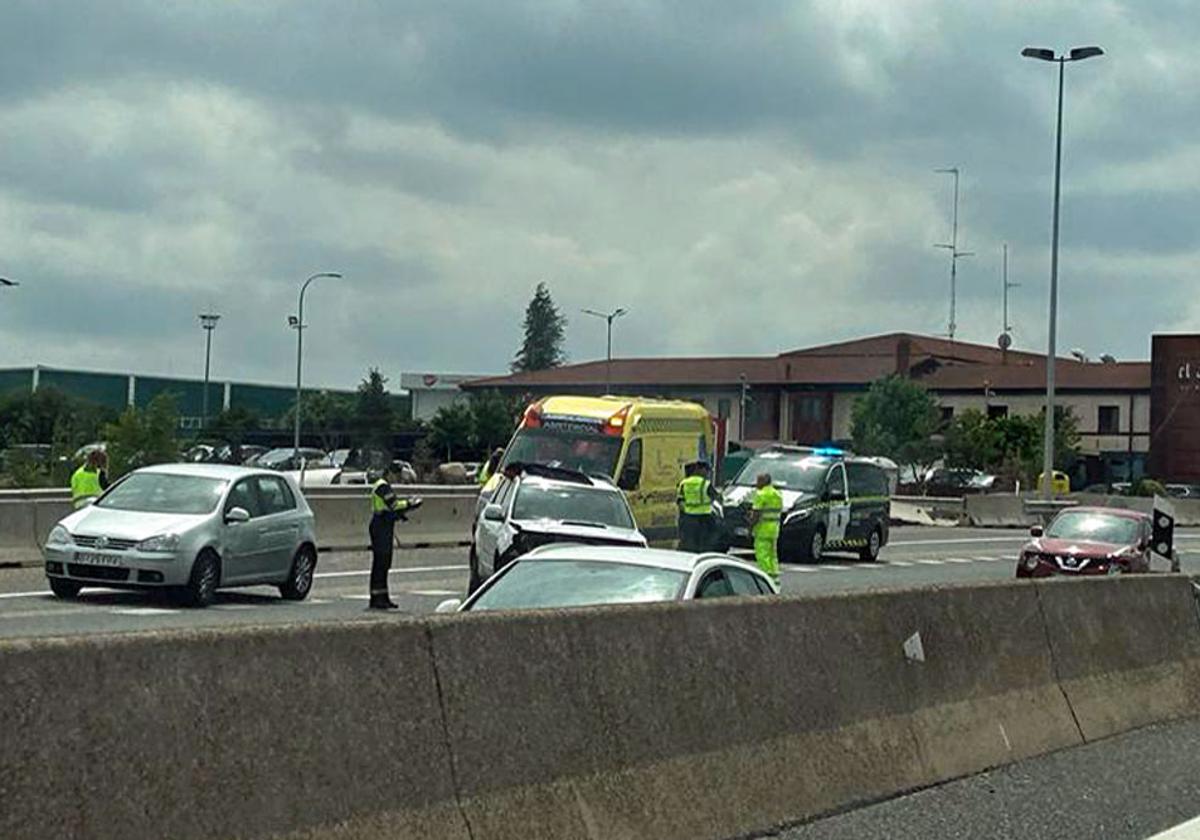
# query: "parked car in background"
[534,505]
[958,481]
[284,459]
[195,527]
[831,502]
[87,449]
[472,468]
[1088,541]
[579,576]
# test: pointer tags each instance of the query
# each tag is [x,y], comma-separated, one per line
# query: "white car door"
[488,532]
[839,505]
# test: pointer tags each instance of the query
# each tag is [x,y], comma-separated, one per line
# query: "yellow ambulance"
[641,444]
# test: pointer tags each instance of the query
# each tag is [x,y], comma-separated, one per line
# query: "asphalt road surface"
[423,578]
[1130,787]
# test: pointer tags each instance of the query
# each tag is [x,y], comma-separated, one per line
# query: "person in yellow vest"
[90,480]
[694,498]
[490,466]
[386,508]
[765,512]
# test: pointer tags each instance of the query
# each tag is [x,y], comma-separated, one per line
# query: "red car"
[1088,541]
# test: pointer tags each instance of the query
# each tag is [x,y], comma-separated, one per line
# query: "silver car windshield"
[165,493]
[534,584]
[571,504]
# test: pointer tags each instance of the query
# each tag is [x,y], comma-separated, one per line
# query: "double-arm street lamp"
[1043,54]
[208,322]
[608,317]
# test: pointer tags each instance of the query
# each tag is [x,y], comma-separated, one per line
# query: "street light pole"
[1042,54]
[955,254]
[608,317]
[208,322]
[299,325]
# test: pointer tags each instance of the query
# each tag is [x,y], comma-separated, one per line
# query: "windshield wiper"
[584,524]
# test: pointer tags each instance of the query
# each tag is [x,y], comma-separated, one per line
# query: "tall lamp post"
[955,254]
[208,322]
[298,323]
[1043,54]
[608,317]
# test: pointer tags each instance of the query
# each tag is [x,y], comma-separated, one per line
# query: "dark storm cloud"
[445,155]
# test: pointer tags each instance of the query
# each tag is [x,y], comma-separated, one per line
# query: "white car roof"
[681,561]
[227,472]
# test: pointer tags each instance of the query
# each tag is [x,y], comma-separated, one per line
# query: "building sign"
[1175,408]
[434,381]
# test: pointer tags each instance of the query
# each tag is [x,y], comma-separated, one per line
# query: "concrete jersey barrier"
[709,720]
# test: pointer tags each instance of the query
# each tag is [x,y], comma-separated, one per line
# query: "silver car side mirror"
[236,516]
[449,606]
[493,513]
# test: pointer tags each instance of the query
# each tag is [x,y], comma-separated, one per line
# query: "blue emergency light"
[829,452]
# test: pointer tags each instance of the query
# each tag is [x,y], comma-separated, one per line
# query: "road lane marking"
[991,559]
[25,594]
[835,567]
[1189,830]
[801,569]
[231,607]
[145,611]
[898,562]
[958,560]
[931,562]
[41,613]
[410,571]
[867,566]
[431,592]
[962,541]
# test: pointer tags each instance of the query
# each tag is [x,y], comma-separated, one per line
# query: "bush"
[1148,487]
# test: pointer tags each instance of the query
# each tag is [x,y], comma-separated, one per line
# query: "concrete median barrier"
[342,521]
[1127,651]
[999,511]
[330,732]
[708,720]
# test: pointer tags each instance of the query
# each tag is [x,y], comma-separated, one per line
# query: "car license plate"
[93,559]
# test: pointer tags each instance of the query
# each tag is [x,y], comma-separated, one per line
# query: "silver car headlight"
[161,542]
[60,536]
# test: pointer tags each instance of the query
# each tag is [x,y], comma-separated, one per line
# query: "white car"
[584,575]
[535,505]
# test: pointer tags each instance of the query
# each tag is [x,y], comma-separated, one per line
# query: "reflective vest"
[769,504]
[85,484]
[693,496]
[380,504]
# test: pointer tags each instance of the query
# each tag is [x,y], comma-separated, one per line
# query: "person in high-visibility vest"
[90,480]
[765,512]
[490,466]
[695,497]
[386,508]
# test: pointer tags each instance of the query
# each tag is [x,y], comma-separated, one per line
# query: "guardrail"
[579,723]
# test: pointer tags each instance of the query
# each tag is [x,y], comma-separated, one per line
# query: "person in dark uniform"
[386,508]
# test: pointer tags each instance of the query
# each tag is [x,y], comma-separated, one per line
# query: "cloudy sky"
[744,177]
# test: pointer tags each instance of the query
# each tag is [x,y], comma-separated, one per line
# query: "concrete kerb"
[999,511]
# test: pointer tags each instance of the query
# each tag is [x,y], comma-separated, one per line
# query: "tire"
[66,589]
[814,550]
[473,581]
[869,553]
[201,587]
[300,579]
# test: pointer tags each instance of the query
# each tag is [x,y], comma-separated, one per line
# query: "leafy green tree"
[328,416]
[493,418]
[450,430]
[897,419]
[545,328]
[1011,446]
[374,412]
[232,425]
[141,437]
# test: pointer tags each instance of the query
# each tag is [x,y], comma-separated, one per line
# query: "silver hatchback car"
[192,527]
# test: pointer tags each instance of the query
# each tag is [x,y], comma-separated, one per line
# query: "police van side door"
[838,501]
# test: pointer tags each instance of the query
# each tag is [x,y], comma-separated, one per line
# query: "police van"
[832,501]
